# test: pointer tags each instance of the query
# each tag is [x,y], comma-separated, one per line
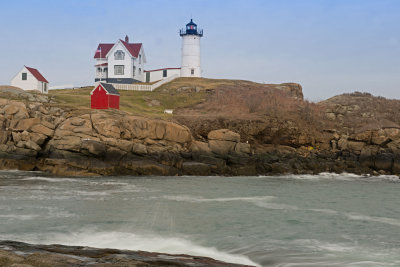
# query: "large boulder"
[16,110]
[107,126]
[222,147]
[74,126]
[200,147]
[383,136]
[24,124]
[355,146]
[41,129]
[177,133]
[242,148]
[224,135]
[37,138]
[142,128]
[68,142]
[224,142]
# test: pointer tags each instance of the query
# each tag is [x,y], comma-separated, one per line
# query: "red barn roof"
[133,49]
[37,74]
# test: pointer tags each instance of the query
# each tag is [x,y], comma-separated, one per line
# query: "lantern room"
[191,29]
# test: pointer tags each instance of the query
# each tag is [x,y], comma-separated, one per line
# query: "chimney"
[127,39]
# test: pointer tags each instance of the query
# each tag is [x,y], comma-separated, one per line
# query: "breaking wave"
[50,180]
[133,241]
[361,217]
[336,176]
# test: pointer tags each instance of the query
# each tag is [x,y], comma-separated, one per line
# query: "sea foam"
[133,241]
[50,180]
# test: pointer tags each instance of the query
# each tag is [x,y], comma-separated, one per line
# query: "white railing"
[132,87]
[144,87]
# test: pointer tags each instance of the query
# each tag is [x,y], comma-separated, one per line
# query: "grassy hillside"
[151,104]
[182,92]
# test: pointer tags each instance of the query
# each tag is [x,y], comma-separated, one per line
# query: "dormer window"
[119,55]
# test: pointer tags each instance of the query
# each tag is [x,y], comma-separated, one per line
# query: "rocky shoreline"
[37,134]
[19,254]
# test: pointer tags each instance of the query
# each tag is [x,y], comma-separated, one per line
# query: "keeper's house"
[30,79]
[104,96]
[122,62]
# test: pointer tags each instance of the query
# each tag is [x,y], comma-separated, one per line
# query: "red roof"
[37,74]
[133,49]
[101,65]
[105,48]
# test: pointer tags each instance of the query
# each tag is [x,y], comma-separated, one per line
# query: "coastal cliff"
[246,129]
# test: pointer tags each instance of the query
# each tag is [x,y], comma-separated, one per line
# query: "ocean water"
[296,220]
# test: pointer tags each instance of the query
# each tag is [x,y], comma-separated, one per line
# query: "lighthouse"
[191,50]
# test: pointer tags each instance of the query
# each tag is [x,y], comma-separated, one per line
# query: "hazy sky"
[328,46]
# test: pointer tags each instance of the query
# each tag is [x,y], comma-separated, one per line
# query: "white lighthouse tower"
[191,50]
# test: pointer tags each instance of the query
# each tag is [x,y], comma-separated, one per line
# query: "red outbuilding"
[104,96]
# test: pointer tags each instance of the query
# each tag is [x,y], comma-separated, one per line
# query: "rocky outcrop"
[20,254]
[68,142]
[292,89]
[45,137]
[224,142]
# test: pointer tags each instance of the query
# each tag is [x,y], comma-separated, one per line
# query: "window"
[44,87]
[164,73]
[134,70]
[98,69]
[140,71]
[192,71]
[105,70]
[140,59]
[119,55]
[119,69]
[24,76]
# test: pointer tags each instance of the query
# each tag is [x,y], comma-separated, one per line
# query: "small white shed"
[161,74]
[30,79]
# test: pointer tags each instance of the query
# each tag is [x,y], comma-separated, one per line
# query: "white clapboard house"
[122,62]
[30,79]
